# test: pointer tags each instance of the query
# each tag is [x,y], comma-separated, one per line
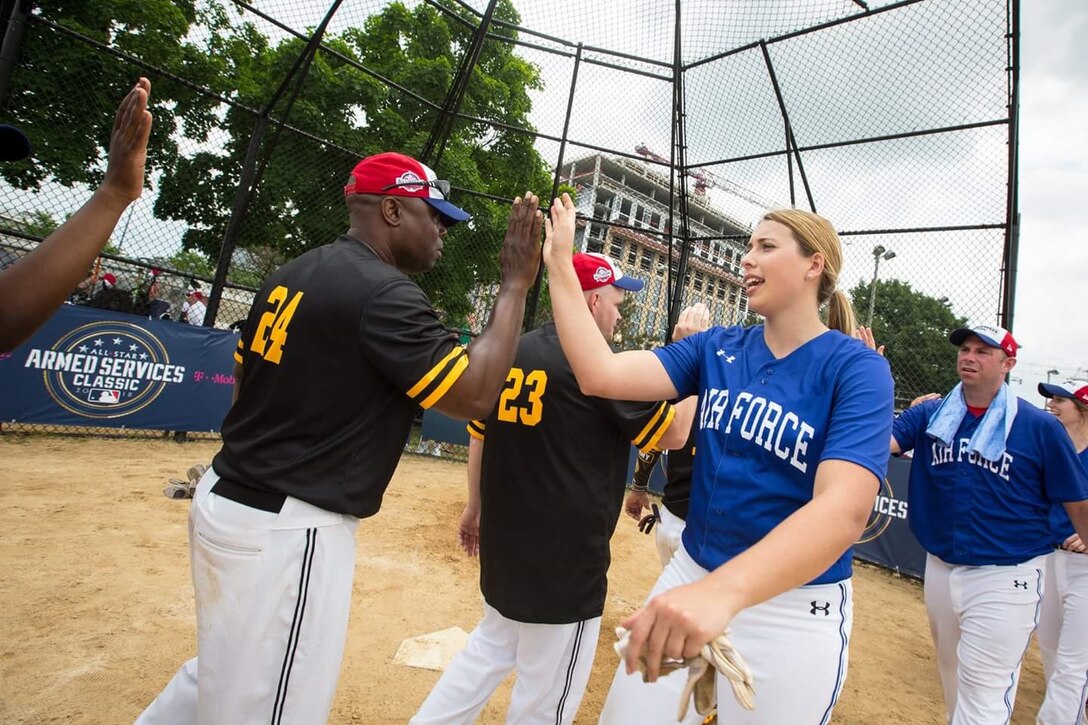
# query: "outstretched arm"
[33,288]
[631,375]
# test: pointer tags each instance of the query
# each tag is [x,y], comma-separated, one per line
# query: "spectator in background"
[31,290]
[194,308]
[111,297]
[150,301]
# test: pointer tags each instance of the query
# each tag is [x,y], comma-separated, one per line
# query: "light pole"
[1049,373]
[879,252]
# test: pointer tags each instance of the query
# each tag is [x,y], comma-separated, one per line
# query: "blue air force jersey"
[968,511]
[1061,528]
[765,424]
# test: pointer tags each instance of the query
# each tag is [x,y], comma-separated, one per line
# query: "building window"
[616,250]
[699,279]
[647,261]
[632,255]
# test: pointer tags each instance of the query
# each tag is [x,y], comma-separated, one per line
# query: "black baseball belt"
[264,500]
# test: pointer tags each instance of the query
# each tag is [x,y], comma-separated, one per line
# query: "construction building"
[623,210]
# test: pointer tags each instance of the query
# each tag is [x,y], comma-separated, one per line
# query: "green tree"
[39,223]
[296,205]
[914,329]
[192,264]
[64,93]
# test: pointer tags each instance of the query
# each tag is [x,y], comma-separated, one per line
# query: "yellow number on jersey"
[511,410]
[271,333]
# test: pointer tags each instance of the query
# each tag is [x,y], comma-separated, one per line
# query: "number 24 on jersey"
[271,334]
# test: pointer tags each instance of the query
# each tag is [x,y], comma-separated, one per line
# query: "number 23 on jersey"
[521,400]
[271,334]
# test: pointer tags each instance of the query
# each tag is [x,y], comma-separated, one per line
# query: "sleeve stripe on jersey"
[445,381]
[425,382]
[647,439]
[476,429]
[238,358]
[239,351]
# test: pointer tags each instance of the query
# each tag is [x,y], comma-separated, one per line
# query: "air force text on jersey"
[959,452]
[762,421]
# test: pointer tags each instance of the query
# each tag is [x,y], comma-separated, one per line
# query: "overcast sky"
[1053,275]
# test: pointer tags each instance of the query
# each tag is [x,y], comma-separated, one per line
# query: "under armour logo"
[1017,584]
[728,358]
[826,608]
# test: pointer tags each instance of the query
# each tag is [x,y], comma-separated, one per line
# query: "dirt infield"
[98,613]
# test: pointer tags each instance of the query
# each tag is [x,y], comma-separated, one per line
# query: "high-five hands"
[520,255]
[559,231]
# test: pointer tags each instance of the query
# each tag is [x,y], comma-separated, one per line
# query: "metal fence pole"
[14,33]
[251,173]
[676,285]
[534,294]
[791,139]
[447,116]
[1012,216]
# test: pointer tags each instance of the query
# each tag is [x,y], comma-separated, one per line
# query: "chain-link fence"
[675,124]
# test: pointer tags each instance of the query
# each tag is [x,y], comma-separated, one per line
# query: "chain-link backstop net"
[676,125]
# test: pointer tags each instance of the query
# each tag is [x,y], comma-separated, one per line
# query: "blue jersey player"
[1063,621]
[791,423]
[987,468]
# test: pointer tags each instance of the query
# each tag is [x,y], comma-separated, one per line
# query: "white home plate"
[431,651]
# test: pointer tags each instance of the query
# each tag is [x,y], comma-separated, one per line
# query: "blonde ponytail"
[840,313]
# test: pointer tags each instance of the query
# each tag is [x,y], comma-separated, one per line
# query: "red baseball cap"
[997,337]
[596,270]
[393,174]
[108,280]
[1048,390]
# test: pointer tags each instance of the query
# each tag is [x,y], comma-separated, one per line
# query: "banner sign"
[91,367]
[887,539]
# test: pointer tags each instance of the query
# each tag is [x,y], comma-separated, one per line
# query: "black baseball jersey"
[678,467]
[339,351]
[552,484]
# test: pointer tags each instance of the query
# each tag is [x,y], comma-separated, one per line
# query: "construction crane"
[706,180]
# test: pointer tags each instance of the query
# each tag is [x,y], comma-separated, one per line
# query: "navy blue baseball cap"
[1049,390]
[596,270]
[14,145]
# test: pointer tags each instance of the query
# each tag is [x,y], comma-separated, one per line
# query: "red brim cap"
[391,174]
[596,270]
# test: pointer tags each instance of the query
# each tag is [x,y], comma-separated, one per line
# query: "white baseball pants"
[272,597]
[796,645]
[553,663]
[982,618]
[1063,639]
[669,531]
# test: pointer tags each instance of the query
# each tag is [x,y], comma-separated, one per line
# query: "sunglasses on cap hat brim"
[442,185]
[450,214]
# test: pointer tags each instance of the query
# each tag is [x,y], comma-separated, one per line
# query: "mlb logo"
[109,397]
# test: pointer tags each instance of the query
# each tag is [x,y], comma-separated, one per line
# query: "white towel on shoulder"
[991,435]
